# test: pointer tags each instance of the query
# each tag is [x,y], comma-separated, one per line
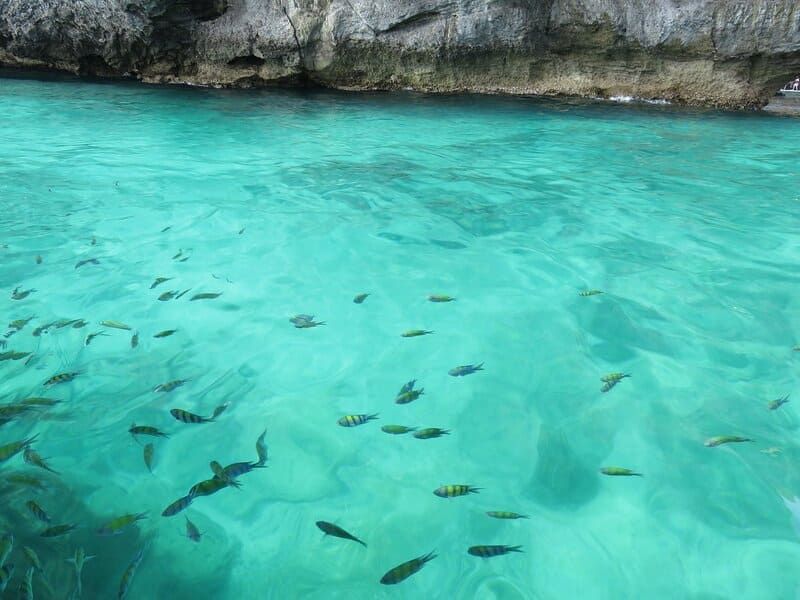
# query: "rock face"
[732,53]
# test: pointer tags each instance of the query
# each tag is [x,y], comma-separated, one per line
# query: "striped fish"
[409,396]
[353,420]
[127,576]
[489,551]
[61,378]
[406,570]
[184,416]
[207,487]
[615,377]
[586,293]
[11,450]
[170,385]
[504,514]
[145,430]
[177,506]
[37,511]
[32,457]
[453,490]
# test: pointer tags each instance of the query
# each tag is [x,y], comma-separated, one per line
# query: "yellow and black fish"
[586,293]
[115,325]
[725,439]
[127,576]
[184,416]
[397,429]
[177,506]
[489,551]
[206,296]
[454,490]
[119,524]
[619,472]
[37,511]
[504,514]
[354,420]
[440,298]
[61,378]
[207,487]
[32,457]
[145,430]
[406,570]
[409,396]
[170,385]
[776,404]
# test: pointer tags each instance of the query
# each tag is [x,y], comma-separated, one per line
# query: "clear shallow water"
[688,220]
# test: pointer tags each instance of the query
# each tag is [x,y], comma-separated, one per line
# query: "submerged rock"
[727,53]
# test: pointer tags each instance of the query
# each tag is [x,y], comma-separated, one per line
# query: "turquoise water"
[686,220]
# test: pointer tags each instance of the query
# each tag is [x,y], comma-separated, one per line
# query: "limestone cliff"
[717,52]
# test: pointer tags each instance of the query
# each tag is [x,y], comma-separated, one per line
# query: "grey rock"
[731,53]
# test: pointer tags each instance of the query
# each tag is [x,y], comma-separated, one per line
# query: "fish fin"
[429,556]
[515,548]
[360,542]
[479,367]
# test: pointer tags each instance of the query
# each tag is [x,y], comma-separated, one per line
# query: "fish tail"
[372,417]
[479,367]
[428,557]
[514,548]
[360,542]
[473,490]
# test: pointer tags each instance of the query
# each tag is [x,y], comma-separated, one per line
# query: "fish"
[170,385]
[359,299]
[11,450]
[177,506]
[353,420]
[415,333]
[465,370]
[87,261]
[61,378]
[32,457]
[796,349]
[167,296]
[135,340]
[184,416]
[127,576]
[192,532]
[6,546]
[407,387]
[79,324]
[586,293]
[205,296]
[119,524]
[9,411]
[37,511]
[261,449]
[91,336]
[725,439]
[38,259]
[305,321]
[619,472]
[430,433]
[145,430]
[409,396]
[504,514]
[39,402]
[336,531]
[78,561]
[219,410]
[38,331]
[57,530]
[158,281]
[12,355]
[18,324]
[219,473]
[148,456]
[167,228]
[454,490]
[178,255]
[207,487]
[94,241]
[6,573]
[116,325]
[615,377]
[32,557]
[241,231]
[23,479]
[776,404]
[165,333]
[184,292]
[61,323]
[489,551]
[397,429]
[608,386]
[26,586]
[440,298]
[406,570]
[17,295]
[237,469]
